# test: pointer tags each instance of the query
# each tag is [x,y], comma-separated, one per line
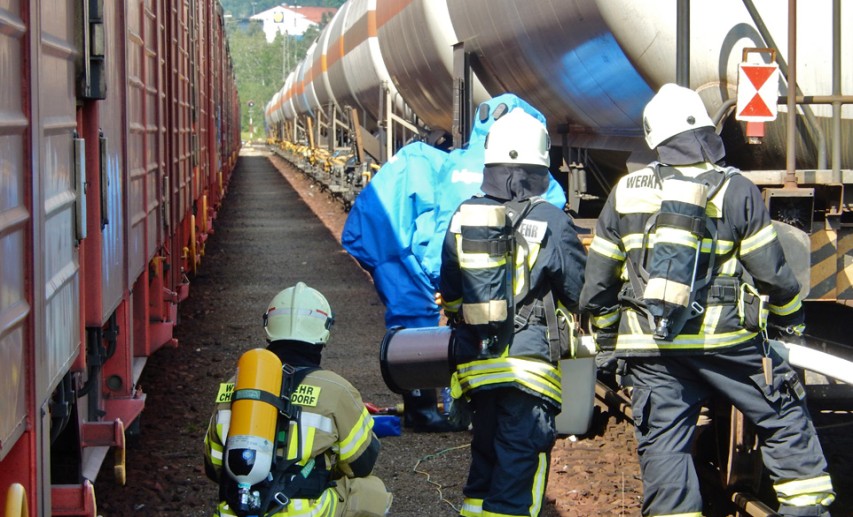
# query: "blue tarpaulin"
[396,226]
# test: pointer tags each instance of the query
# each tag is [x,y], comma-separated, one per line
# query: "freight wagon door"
[15,217]
[111,119]
[56,280]
[146,132]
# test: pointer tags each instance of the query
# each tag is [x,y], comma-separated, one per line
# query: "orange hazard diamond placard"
[757,92]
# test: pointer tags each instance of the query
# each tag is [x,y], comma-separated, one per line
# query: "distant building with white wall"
[292,20]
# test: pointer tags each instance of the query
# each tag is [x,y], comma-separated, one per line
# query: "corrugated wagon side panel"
[57,123]
[15,216]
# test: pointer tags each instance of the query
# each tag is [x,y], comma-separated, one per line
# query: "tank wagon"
[385,73]
[119,128]
[382,74]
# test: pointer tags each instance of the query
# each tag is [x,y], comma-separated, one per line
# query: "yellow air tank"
[250,446]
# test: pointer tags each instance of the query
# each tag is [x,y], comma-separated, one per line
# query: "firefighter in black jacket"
[667,292]
[505,366]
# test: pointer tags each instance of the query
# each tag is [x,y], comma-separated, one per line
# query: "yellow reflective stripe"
[634,241]
[537,491]
[634,322]
[223,510]
[544,370]
[606,248]
[757,241]
[520,265]
[478,381]
[471,507]
[537,376]
[808,500]
[606,320]
[358,436]
[534,254]
[223,423]
[455,386]
[683,341]
[480,261]
[711,319]
[308,436]
[820,486]
[722,247]
[729,267]
[452,305]
[292,442]
[676,236]
[215,451]
[789,308]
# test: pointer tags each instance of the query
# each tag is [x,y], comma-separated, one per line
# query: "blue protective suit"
[396,227]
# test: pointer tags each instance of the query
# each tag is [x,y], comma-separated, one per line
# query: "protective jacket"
[336,445]
[739,238]
[556,263]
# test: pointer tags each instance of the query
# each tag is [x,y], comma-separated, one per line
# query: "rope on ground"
[439,486]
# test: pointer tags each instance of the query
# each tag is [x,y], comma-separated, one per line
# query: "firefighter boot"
[420,412]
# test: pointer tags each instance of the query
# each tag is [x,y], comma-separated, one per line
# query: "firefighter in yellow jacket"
[288,438]
[683,259]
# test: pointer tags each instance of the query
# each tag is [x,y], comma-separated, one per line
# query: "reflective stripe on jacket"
[536,377]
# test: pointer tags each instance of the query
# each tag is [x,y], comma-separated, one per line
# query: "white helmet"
[299,313]
[518,138]
[673,110]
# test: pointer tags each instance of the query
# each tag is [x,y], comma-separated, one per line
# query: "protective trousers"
[513,433]
[668,395]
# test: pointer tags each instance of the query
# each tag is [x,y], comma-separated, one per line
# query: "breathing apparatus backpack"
[663,286]
[256,480]
[494,261]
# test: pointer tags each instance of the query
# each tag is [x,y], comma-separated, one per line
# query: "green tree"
[260,67]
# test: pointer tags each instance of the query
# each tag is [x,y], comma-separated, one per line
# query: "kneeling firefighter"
[287,437]
[510,264]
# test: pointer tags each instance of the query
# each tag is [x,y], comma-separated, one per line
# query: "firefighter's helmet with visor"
[518,138]
[673,110]
[299,313]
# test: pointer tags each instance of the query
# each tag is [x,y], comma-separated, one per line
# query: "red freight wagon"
[118,133]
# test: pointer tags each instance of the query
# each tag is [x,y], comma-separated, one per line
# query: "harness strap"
[493,247]
[260,395]
[280,489]
[696,225]
[553,328]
